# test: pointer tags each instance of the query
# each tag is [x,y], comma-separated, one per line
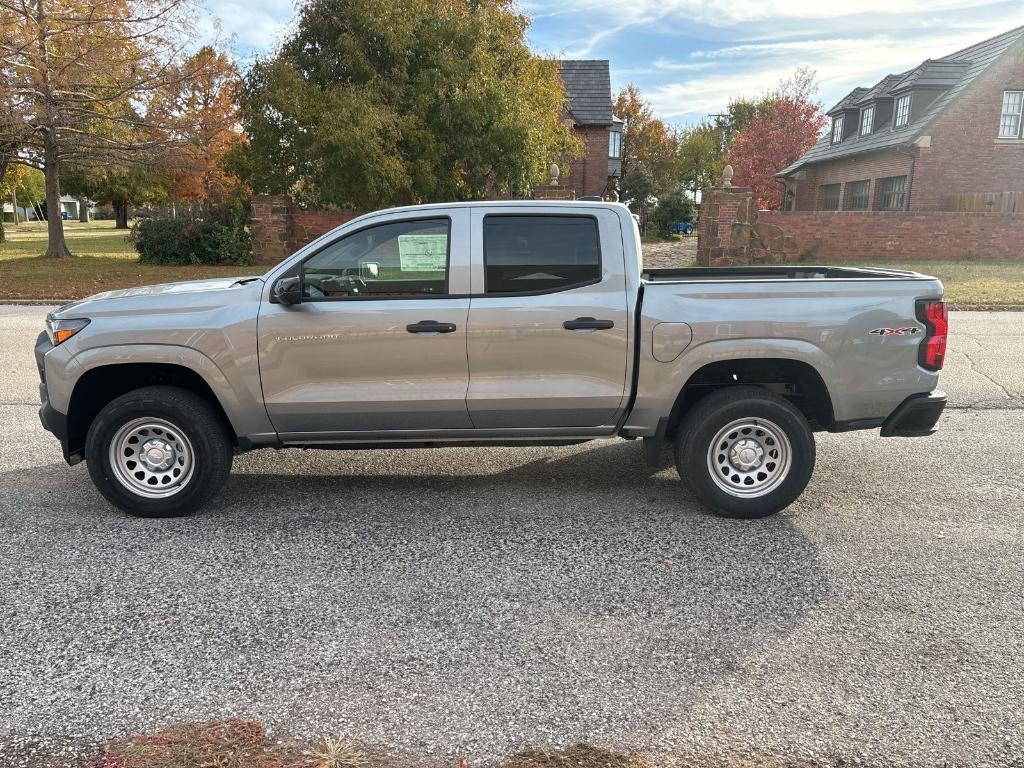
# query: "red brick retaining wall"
[279,228]
[824,237]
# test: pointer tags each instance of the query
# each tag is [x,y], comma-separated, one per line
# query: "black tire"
[202,437]
[700,431]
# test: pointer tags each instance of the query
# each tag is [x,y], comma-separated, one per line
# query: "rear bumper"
[916,416]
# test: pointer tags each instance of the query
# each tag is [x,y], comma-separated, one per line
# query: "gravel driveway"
[472,601]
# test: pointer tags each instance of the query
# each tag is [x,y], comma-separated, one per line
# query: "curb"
[36,302]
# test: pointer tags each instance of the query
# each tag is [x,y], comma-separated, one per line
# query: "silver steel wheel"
[749,458]
[151,458]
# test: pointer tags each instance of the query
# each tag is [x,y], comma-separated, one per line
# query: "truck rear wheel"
[158,452]
[745,452]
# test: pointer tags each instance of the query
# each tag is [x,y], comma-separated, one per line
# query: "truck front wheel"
[158,452]
[745,452]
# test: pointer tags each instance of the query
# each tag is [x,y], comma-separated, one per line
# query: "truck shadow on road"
[509,594]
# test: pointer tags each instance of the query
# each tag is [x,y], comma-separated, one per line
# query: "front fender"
[248,416]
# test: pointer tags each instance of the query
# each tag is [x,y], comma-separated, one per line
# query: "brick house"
[947,135]
[589,90]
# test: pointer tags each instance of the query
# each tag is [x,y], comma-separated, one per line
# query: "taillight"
[935,317]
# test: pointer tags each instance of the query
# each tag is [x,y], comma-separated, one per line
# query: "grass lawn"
[103,260]
[969,284]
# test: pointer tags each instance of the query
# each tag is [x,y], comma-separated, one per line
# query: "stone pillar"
[729,234]
[271,215]
[553,193]
[720,208]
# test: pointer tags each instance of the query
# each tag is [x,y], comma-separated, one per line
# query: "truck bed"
[784,272]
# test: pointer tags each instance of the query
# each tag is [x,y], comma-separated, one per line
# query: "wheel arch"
[101,384]
[796,380]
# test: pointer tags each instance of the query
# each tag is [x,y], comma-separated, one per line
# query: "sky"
[690,57]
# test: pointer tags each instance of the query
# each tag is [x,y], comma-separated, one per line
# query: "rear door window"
[539,254]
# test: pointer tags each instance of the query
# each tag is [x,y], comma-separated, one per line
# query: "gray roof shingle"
[955,72]
[588,84]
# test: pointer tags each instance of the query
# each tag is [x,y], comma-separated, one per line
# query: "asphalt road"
[470,601]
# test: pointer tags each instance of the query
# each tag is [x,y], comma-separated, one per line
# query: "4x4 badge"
[895,331]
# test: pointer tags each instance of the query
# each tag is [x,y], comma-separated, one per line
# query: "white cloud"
[252,24]
[727,13]
[841,63]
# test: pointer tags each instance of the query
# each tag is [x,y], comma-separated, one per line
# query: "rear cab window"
[540,254]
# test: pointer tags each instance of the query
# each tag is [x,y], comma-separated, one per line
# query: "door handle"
[430,326]
[587,324]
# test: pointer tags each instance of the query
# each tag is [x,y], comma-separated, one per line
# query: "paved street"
[472,601]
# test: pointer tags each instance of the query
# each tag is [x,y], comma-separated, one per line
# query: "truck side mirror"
[287,291]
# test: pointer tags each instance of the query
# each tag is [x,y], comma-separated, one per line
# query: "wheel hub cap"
[749,457]
[157,455]
[746,455]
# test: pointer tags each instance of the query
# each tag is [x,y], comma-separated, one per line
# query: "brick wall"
[825,237]
[588,175]
[279,228]
[964,155]
[731,232]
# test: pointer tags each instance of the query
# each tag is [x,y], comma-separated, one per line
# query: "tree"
[672,208]
[202,113]
[81,74]
[638,189]
[25,185]
[119,186]
[370,104]
[788,126]
[646,140]
[699,158]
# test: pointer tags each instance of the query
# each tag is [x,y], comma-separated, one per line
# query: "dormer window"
[837,129]
[867,120]
[902,111]
[1010,118]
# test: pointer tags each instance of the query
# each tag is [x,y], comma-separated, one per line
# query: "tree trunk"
[3,172]
[83,210]
[14,204]
[120,214]
[56,247]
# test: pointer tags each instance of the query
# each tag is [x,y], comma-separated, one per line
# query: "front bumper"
[53,421]
[916,416]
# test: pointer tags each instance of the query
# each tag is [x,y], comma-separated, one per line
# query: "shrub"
[672,208]
[181,241]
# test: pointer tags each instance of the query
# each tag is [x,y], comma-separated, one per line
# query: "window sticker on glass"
[423,253]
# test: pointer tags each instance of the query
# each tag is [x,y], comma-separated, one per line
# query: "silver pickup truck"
[497,323]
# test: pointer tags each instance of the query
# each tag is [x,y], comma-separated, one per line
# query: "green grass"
[103,260]
[969,284]
[96,239]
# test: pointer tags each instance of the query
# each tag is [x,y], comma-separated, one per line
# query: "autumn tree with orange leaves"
[81,76]
[787,123]
[201,111]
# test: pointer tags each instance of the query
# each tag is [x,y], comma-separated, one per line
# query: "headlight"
[60,331]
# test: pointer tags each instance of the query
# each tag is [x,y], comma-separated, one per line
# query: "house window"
[614,144]
[867,120]
[837,129]
[902,111]
[1010,118]
[857,195]
[830,197]
[892,193]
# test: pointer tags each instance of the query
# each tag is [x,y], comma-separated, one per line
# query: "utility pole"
[14,203]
